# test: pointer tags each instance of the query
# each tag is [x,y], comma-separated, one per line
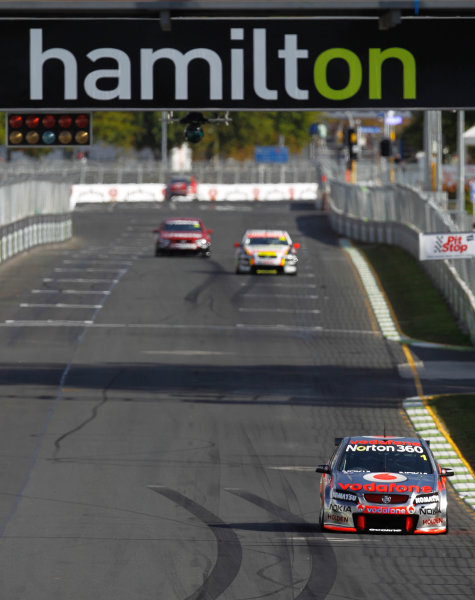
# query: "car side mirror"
[297,246]
[155,231]
[237,244]
[210,231]
[322,469]
[446,472]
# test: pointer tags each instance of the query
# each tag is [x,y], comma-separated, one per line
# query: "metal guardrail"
[396,215]
[33,231]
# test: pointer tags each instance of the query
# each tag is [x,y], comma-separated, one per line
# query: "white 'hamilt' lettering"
[119,79]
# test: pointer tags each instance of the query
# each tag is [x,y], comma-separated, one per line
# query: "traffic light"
[33,130]
[352,140]
[385,147]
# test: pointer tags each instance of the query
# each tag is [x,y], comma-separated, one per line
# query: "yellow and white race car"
[266,250]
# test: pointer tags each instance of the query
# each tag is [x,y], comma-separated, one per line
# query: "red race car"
[182,187]
[183,235]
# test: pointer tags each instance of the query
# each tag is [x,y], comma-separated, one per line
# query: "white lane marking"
[286,285]
[79,280]
[292,468]
[279,310]
[88,270]
[59,305]
[239,327]
[97,262]
[100,292]
[267,295]
[186,352]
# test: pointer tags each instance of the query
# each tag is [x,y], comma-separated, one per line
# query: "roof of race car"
[381,439]
[181,220]
[250,233]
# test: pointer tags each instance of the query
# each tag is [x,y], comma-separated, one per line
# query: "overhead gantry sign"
[220,64]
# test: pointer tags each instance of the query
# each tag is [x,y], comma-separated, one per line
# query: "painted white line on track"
[279,310]
[97,292]
[285,285]
[79,280]
[186,352]
[59,305]
[291,468]
[88,270]
[97,262]
[293,296]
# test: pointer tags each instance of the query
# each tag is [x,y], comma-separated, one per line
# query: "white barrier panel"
[120,192]
[439,246]
[257,191]
[155,192]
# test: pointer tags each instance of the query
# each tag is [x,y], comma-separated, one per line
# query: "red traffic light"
[82,121]
[48,121]
[65,121]
[15,121]
[50,129]
[32,121]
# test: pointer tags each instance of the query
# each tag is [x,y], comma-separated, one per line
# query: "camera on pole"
[194,127]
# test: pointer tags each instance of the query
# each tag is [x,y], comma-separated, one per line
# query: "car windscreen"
[267,241]
[396,457]
[182,226]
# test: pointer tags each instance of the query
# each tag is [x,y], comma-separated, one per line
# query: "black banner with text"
[254,64]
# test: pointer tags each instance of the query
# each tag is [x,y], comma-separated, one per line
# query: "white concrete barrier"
[155,192]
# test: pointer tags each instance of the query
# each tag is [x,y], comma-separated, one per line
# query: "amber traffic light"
[28,130]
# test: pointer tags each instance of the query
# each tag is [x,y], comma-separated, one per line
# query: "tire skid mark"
[229,550]
[323,567]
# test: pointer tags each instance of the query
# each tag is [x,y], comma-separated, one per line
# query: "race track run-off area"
[162,418]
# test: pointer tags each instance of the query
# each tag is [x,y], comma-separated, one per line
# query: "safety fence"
[396,215]
[41,195]
[298,169]
[33,231]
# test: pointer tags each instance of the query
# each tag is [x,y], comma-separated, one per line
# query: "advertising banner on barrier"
[439,246]
[120,192]
[154,192]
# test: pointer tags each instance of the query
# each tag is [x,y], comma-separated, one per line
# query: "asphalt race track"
[161,419]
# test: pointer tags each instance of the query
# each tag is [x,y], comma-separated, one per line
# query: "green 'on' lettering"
[355,77]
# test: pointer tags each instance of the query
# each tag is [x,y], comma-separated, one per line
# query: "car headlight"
[164,243]
[202,242]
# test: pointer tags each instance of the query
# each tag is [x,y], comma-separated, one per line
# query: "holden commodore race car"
[183,235]
[385,485]
[266,250]
[182,187]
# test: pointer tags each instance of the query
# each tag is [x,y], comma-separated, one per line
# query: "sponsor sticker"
[380,448]
[385,488]
[427,499]
[337,518]
[385,477]
[346,497]
[340,508]
[433,521]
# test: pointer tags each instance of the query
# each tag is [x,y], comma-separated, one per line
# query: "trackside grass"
[423,314]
